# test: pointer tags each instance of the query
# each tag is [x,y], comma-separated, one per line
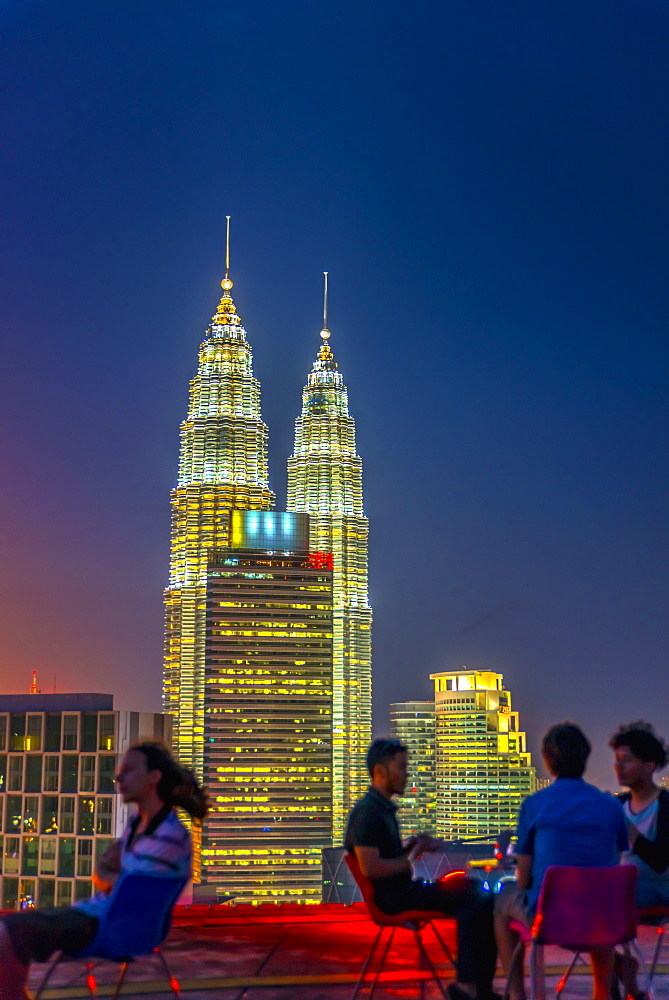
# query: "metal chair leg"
[119,981]
[563,981]
[642,966]
[656,952]
[172,980]
[383,961]
[428,961]
[47,975]
[366,964]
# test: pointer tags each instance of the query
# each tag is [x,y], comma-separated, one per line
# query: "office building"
[222,464]
[58,804]
[268,711]
[483,768]
[325,481]
[412,723]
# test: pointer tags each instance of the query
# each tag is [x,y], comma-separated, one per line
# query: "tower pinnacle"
[325,333]
[226,284]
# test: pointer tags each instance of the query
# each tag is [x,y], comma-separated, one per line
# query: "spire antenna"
[325,301]
[226,284]
[325,333]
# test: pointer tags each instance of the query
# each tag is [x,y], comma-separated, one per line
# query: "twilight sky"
[486,184]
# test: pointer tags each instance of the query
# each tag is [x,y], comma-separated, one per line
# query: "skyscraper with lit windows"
[483,768]
[325,481]
[222,465]
[268,711]
[412,723]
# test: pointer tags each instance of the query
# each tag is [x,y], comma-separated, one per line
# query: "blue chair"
[135,925]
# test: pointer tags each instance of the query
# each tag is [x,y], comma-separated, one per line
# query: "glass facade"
[412,723]
[222,464]
[325,481]
[483,768]
[268,719]
[56,808]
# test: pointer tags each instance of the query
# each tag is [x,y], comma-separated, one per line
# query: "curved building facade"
[222,465]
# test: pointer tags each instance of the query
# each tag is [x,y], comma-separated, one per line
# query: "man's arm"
[108,867]
[374,866]
[523,870]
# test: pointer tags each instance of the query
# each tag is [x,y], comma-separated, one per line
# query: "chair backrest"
[364,883]
[138,917]
[584,908]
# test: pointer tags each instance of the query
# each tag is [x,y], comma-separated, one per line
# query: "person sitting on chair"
[373,837]
[568,823]
[154,842]
[639,753]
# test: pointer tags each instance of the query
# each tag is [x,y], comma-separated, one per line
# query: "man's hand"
[423,843]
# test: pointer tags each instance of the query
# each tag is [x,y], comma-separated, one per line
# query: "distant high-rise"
[58,755]
[222,464]
[268,711]
[412,723]
[483,768]
[325,481]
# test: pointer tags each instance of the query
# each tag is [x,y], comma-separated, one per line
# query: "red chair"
[413,920]
[580,909]
[658,917]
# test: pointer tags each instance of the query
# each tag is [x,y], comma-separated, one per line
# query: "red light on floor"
[91,983]
[660,930]
[174,983]
[499,856]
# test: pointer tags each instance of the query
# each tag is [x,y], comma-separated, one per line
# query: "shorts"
[511,903]
[37,934]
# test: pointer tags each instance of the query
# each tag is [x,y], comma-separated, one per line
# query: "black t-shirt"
[373,823]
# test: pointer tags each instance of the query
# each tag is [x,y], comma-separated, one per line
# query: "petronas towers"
[223,468]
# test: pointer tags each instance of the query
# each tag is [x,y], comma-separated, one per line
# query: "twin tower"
[268,624]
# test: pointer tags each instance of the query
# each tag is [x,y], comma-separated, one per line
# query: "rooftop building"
[483,768]
[58,803]
[412,723]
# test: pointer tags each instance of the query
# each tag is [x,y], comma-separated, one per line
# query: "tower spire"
[226,284]
[325,333]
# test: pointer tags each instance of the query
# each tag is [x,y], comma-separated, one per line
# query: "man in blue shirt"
[568,823]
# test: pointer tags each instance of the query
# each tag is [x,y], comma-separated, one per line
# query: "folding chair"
[413,920]
[135,925]
[579,909]
[658,917]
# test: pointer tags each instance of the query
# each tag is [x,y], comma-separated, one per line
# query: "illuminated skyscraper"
[222,464]
[412,723]
[483,769]
[268,711]
[325,481]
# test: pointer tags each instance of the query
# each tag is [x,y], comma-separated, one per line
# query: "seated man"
[568,823]
[373,836]
[155,842]
[639,753]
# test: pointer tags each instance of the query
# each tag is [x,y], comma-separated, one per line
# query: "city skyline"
[487,189]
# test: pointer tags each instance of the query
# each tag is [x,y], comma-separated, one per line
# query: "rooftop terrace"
[290,952]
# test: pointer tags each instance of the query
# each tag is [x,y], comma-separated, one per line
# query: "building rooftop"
[67,702]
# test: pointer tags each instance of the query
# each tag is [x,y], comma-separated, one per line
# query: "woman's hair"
[178,785]
[643,742]
[566,749]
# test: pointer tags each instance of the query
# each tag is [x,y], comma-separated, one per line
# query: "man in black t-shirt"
[373,836]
